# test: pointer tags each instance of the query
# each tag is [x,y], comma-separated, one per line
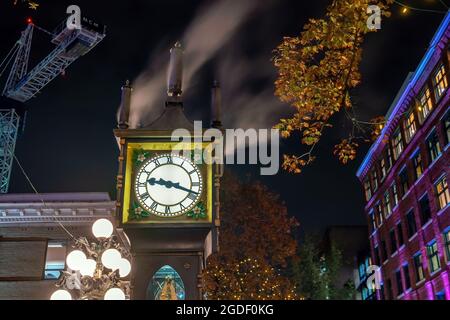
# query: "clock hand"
[177,186]
[169,185]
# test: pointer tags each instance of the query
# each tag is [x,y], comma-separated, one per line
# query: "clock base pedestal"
[183,249]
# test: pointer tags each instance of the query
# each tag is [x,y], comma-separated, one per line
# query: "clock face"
[168,185]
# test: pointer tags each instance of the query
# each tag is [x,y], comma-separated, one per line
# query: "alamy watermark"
[374,20]
[232,146]
[74,20]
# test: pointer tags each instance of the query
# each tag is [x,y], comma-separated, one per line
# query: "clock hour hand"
[169,185]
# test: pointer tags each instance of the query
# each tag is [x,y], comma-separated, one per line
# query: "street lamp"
[96,271]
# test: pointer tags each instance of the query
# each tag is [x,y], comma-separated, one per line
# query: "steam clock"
[168,197]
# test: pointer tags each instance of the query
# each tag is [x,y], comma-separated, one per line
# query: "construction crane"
[22,85]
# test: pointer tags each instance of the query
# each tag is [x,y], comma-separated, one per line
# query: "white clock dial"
[168,185]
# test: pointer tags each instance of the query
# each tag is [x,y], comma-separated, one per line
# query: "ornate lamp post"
[96,271]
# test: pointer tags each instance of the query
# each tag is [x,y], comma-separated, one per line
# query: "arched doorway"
[166,284]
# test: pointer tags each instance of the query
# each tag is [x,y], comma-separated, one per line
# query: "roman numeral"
[182,207]
[168,211]
[157,162]
[192,172]
[142,185]
[196,184]
[192,196]
[169,160]
[145,196]
[154,206]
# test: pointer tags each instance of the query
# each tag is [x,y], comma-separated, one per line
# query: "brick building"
[405,178]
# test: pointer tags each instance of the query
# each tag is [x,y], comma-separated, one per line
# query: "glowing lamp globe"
[75,260]
[115,294]
[124,268]
[61,295]
[102,228]
[88,268]
[111,259]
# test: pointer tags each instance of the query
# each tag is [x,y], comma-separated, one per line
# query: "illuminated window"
[425,211]
[418,266]
[418,165]
[442,193]
[397,144]
[446,124]
[434,147]
[411,222]
[375,180]
[425,104]
[379,209]
[440,82]
[410,127]
[166,285]
[385,162]
[367,189]
[447,243]
[433,257]
[55,261]
[373,222]
[387,204]
[394,195]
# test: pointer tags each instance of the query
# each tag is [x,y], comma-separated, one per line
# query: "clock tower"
[168,196]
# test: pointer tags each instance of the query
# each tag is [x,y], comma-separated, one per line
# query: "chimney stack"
[125,105]
[216,105]
[175,74]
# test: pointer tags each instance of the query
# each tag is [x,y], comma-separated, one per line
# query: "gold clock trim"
[166,147]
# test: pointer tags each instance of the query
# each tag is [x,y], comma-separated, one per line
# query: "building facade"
[405,177]
[33,245]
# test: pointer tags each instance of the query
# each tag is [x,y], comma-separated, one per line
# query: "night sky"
[68,144]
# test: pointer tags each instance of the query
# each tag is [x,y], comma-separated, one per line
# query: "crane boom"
[22,85]
[71,45]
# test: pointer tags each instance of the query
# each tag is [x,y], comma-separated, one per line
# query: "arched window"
[166,284]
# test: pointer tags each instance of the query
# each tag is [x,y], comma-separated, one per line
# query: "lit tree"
[316,273]
[316,74]
[256,245]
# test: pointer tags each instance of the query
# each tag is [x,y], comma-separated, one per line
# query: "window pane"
[398,277]
[387,204]
[412,226]
[425,104]
[55,261]
[434,147]
[447,244]
[404,182]
[407,277]
[433,257]
[397,144]
[446,124]
[418,165]
[425,212]
[418,264]
[393,241]
[410,127]
[440,82]
[442,192]
[394,195]
[367,189]
[401,240]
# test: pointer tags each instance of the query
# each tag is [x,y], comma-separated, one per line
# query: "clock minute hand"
[177,186]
